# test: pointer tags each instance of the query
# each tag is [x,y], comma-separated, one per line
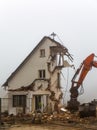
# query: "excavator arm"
[82,71]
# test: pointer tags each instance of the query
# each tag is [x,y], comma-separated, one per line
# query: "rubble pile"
[63,117]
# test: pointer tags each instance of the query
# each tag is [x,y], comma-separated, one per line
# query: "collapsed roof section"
[60,49]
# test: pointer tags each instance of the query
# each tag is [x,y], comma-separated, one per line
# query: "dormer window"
[42,53]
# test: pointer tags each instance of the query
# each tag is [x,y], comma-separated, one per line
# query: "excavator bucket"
[73,105]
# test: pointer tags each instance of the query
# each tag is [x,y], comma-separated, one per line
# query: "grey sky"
[23,23]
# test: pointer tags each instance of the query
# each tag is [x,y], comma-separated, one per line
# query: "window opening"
[19,100]
[42,53]
[42,74]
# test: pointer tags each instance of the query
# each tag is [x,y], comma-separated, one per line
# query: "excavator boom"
[84,68]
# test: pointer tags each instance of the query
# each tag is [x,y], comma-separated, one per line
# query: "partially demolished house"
[35,84]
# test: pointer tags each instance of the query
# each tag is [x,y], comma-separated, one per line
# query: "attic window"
[42,74]
[42,53]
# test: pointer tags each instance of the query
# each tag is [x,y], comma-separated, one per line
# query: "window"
[42,74]
[38,102]
[42,53]
[19,100]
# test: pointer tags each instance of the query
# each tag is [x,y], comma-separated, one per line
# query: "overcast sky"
[23,23]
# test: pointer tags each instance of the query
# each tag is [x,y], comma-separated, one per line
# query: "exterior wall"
[29,71]
[54,84]
[30,102]
[11,109]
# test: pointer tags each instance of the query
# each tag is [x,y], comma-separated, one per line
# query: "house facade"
[35,84]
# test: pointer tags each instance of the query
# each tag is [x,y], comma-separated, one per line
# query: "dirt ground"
[51,126]
[43,127]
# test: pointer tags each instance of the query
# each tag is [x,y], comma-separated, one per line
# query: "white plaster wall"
[30,104]
[29,71]
[11,109]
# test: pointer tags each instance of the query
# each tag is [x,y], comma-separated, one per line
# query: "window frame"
[42,52]
[19,101]
[42,74]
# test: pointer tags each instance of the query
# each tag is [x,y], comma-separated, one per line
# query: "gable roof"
[27,58]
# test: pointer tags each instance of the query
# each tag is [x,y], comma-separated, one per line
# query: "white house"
[35,84]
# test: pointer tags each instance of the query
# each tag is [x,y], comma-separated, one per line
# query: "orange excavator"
[84,68]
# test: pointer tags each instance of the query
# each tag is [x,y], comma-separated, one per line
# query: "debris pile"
[37,117]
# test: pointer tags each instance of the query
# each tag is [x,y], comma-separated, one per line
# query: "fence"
[4,105]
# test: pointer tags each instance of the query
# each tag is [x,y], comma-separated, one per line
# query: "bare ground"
[52,126]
